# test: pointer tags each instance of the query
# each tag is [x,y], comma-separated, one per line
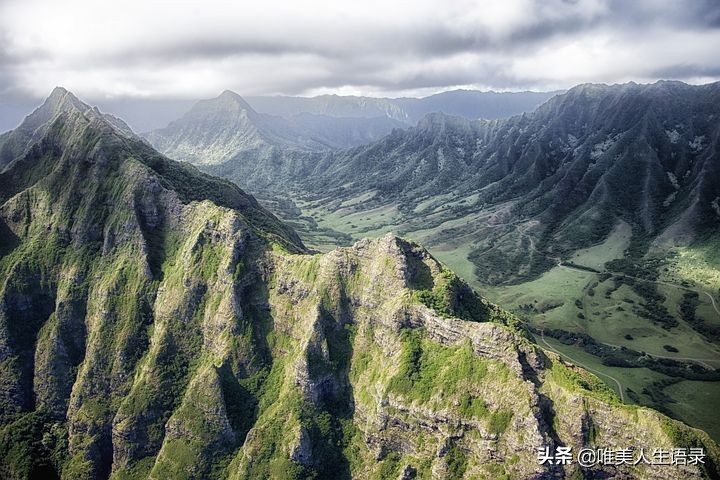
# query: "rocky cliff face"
[157,323]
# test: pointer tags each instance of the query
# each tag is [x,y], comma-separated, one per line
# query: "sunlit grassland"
[581,302]
[700,264]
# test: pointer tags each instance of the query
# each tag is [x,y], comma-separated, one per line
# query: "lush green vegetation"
[456,463]
[653,308]
[688,312]
[499,421]
[574,378]
[32,447]
[609,317]
[627,358]
[196,345]
[580,267]
[330,432]
[427,369]
[451,297]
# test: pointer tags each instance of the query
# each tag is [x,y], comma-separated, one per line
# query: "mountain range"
[578,165]
[471,104]
[610,189]
[147,114]
[569,171]
[226,127]
[158,322]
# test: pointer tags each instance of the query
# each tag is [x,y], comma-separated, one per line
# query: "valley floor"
[556,293]
[576,295]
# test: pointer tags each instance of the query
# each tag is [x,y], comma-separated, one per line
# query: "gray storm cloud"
[185,49]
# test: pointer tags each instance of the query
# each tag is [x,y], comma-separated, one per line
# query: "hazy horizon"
[161,111]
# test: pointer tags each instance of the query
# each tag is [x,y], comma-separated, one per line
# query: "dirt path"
[712,299]
[617,382]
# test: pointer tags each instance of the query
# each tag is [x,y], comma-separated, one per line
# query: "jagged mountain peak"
[156,322]
[230,96]
[226,109]
[60,102]
[227,93]
[80,149]
[59,92]
[227,101]
[226,127]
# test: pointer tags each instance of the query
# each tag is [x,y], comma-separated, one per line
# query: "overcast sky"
[189,49]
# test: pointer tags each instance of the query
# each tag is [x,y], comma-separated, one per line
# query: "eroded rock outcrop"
[158,323]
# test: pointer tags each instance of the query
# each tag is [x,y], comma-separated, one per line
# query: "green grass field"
[699,265]
[690,401]
[689,398]
[565,298]
[580,302]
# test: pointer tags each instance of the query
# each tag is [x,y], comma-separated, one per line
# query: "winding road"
[617,382]
[712,299]
[559,263]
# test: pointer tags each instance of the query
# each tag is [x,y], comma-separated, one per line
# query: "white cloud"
[187,48]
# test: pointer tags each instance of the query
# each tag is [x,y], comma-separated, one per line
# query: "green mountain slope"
[569,172]
[645,155]
[597,214]
[594,215]
[156,322]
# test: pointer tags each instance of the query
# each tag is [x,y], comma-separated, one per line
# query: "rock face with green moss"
[158,323]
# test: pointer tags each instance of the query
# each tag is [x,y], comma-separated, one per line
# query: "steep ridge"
[629,171]
[227,128]
[13,142]
[585,160]
[156,322]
